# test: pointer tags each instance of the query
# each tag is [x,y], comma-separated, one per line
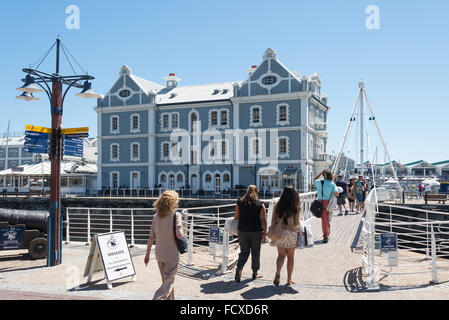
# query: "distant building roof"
[44,168]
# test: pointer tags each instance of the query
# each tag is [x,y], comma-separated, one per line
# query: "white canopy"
[44,168]
[432,182]
[391,181]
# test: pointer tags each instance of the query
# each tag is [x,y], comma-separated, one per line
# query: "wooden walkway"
[344,229]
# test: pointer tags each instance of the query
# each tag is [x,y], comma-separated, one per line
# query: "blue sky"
[404,63]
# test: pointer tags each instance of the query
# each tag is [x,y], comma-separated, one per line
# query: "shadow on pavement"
[20,257]
[223,286]
[96,285]
[268,292]
[353,281]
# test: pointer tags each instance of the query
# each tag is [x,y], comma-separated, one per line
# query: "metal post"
[434,257]
[67,238]
[132,228]
[224,263]
[190,260]
[110,220]
[88,226]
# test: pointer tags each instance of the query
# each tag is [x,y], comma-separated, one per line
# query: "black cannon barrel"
[31,219]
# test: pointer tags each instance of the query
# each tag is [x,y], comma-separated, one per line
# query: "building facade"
[269,130]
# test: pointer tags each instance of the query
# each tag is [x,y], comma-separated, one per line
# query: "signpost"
[389,245]
[116,261]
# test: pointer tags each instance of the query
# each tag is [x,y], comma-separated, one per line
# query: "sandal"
[277,280]
[289,283]
[257,276]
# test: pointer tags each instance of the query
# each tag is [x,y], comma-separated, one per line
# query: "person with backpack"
[288,210]
[252,230]
[325,189]
[341,200]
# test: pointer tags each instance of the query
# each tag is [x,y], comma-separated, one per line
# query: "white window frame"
[131,179]
[251,116]
[165,129]
[131,128]
[219,125]
[111,130]
[135,159]
[171,120]
[111,152]
[164,184]
[111,185]
[278,147]
[278,114]
[163,157]
[252,150]
[190,119]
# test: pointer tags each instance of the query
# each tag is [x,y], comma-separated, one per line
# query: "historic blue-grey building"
[270,129]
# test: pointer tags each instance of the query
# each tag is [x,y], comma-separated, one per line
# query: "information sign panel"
[11,238]
[388,242]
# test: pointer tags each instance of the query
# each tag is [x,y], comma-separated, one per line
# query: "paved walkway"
[326,271]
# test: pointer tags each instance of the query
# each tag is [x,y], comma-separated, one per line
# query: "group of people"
[252,227]
[355,192]
[424,189]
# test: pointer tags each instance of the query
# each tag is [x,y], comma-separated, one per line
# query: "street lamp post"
[56,95]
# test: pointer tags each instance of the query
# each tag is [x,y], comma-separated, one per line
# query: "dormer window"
[216,91]
[171,81]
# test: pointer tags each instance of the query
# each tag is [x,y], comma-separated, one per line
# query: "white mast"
[362,146]
[7,145]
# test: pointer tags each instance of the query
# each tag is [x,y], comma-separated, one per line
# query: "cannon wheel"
[38,248]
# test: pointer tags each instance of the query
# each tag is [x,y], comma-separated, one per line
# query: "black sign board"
[11,238]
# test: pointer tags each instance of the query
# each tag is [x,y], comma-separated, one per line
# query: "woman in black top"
[251,214]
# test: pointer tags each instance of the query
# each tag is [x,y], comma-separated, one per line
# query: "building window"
[180,178]
[163,179]
[175,120]
[208,178]
[115,152]
[269,80]
[165,121]
[283,147]
[124,93]
[194,121]
[255,116]
[115,180]
[165,151]
[135,123]
[135,151]
[282,114]
[224,117]
[226,178]
[115,125]
[214,118]
[224,150]
[175,150]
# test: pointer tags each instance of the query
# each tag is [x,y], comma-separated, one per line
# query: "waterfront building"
[12,153]
[32,171]
[273,113]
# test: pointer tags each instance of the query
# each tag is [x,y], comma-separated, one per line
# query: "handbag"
[232,227]
[275,230]
[180,243]
[317,206]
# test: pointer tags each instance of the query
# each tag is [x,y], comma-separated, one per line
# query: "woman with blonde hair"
[288,209]
[252,230]
[167,254]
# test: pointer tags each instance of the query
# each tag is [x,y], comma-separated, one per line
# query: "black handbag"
[180,243]
[317,206]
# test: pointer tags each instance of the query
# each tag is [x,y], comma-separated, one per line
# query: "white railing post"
[88,226]
[427,236]
[67,236]
[224,263]
[132,228]
[434,257]
[110,220]
[190,260]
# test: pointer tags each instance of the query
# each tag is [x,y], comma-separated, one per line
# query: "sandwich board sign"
[109,252]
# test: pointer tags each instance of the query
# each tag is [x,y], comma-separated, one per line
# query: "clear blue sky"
[404,63]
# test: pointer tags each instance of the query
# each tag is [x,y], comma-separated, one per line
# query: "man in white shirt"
[428,188]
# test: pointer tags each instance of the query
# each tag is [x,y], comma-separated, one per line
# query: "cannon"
[21,229]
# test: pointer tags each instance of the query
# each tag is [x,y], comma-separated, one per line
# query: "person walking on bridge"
[167,253]
[288,209]
[252,231]
[325,189]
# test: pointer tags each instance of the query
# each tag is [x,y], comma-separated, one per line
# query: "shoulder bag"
[180,243]
[275,230]
[317,206]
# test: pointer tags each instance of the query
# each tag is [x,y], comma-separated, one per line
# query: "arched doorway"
[195,182]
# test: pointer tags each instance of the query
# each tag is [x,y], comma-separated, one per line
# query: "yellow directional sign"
[37,129]
[75,130]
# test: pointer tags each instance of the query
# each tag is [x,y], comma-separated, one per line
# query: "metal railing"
[418,231]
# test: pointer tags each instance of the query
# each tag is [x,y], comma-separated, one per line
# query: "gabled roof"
[145,84]
[411,164]
[196,93]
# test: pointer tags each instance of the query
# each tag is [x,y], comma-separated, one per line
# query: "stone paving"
[325,272]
